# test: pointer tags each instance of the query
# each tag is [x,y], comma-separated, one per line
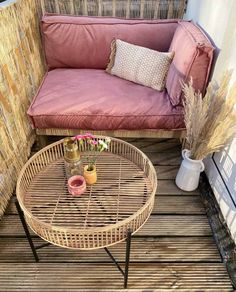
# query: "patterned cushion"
[138,64]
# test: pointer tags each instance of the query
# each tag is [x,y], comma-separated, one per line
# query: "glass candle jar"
[73,168]
[73,164]
[76,185]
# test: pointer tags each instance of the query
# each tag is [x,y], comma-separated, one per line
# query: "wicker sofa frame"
[42,134]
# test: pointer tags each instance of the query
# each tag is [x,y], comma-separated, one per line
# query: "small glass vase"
[90,175]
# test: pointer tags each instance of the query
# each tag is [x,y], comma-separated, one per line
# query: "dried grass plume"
[210,121]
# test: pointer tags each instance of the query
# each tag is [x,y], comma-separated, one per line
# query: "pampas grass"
[210,121]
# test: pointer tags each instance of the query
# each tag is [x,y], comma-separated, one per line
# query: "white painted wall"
[218,20]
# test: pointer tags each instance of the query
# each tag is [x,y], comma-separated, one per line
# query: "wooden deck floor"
[174,250]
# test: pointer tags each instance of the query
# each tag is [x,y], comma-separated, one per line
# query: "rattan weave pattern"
[122,198]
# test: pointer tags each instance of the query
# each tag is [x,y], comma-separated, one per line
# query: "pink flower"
[84,137]
[94,142]
[88,136]
[79,137]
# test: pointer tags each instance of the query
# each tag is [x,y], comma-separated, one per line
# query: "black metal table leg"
[125,272]
[127,257]
[22,218]
[114,261]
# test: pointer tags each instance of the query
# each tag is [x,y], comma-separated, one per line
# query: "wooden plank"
[157,145]
[157,225]
[166,171]
[164,158]
[177,249]
[74,277]
[163,205]
[176,225]
[168,187]
[191,205]
[11,208]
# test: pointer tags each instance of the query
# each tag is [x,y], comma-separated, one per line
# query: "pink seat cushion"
[84,42]
[92,99]
[193,58]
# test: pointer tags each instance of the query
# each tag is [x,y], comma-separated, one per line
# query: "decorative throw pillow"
[138,64]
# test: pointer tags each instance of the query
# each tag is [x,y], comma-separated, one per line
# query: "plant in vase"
[95,147]
[210,126]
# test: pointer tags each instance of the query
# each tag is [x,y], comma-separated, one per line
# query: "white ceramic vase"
[187,178]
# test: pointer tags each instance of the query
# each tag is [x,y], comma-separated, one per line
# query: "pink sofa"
[77,93]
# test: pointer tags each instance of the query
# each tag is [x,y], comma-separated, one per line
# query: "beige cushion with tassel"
[138,64]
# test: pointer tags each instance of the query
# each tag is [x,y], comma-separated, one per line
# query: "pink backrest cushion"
[193,58]
[84,42]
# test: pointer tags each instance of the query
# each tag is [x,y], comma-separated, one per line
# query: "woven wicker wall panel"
[120,8]
[21,71]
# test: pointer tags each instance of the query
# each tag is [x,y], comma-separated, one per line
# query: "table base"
[34,248]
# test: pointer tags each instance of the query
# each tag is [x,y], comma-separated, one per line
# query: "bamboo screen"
[21,70]
[119,8]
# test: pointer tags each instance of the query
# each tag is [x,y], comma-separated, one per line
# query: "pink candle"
[76,185]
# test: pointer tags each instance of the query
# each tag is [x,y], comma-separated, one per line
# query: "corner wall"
[217,18]
[21,71]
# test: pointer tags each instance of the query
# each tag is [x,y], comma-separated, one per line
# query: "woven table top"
[122,198]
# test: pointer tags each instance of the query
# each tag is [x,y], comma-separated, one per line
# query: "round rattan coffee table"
[119,203]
